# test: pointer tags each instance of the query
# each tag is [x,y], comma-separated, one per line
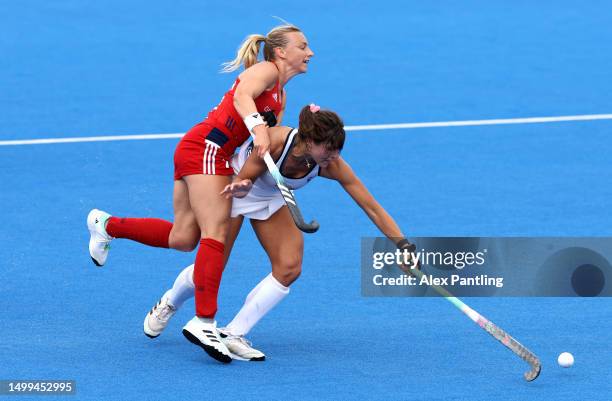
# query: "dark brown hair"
[323,127]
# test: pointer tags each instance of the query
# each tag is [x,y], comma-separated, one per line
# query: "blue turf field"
[69,69]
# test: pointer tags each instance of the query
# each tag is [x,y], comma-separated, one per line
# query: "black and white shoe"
[204,333]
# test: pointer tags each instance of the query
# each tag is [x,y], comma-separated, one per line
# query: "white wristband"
[253,120]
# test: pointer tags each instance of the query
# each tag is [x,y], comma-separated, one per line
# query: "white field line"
[464,123]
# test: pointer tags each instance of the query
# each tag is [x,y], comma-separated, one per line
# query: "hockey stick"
[492,329]
[288,195]
[289,198]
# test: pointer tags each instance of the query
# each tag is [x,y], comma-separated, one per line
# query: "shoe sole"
[210,350]
[255,359]
[150,336]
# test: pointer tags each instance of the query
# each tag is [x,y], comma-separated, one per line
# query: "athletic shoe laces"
[242,340]
[164,312]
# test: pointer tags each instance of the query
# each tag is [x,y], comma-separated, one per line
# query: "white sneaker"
[157,319]
[240,348]
[203,332]
[99,242]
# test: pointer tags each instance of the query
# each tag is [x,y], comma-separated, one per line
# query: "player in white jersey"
[264,199]
[301,155]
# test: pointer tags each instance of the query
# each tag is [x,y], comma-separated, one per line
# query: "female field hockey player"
[301,155]
[202,169]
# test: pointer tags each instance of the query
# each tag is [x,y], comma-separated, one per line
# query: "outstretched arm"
[340,171]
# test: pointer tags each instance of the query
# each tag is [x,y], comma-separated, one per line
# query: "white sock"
[265,296]
[254,291]
[183,288]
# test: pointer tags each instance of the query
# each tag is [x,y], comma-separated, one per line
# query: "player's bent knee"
[288,273]
[184,244]
[183,247]
[293,276]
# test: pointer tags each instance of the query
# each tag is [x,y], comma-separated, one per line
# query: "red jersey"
[225,117]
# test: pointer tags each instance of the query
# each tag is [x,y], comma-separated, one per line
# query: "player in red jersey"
[312,150]
[202,170]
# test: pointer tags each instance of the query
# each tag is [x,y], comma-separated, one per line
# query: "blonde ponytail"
[247,53]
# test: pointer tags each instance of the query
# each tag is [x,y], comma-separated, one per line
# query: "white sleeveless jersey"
[264,199]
